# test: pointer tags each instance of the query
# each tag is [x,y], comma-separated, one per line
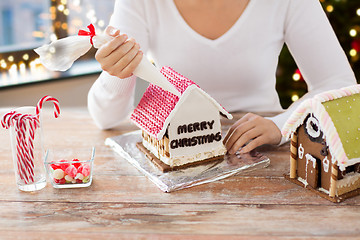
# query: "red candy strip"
[46,99]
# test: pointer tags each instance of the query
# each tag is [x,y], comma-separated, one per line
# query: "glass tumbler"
[28,151]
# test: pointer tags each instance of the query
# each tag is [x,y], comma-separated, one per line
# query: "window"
[28,24]
[23,22]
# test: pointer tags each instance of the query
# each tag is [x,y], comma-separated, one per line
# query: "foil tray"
[125,146]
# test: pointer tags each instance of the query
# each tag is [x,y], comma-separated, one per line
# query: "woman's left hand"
[250,132]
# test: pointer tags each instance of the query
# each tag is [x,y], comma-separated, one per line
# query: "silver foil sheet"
[125,145]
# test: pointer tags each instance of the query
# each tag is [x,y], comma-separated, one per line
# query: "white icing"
[350,162]
[310,129]
[309,157]
[181,160]
[324,190]
[303,181]
[326,163]
[348,180]
[301,151]
[305,185]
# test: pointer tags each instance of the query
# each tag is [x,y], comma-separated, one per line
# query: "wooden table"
[122,203]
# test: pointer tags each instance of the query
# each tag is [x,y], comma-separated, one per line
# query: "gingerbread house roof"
[157,106]
[338,113]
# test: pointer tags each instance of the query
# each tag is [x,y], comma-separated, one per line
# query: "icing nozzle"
[151,74]
[145,70]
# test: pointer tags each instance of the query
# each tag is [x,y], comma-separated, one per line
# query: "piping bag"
[59,55]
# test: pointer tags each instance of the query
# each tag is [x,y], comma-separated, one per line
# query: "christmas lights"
[344,17]
[66,16]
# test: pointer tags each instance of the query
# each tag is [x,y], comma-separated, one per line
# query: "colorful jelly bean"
[70,173]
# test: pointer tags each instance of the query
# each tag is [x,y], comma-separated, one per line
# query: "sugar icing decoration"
[326,163]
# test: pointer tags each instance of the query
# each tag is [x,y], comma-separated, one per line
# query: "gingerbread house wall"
[160,148]
[323,173]
[307,150]
[195,109]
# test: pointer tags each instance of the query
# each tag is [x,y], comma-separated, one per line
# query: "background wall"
[70,92]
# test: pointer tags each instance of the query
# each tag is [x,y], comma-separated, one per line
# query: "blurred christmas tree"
[344,16]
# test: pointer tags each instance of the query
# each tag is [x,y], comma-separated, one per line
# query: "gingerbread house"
[325,143]
[179,131]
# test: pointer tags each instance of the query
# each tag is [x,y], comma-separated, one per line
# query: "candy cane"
[25,144]
[34,123]
[46,99]
[26,152]
[24,147]
[8,120]
[28,144]
[19,157]
[20,129]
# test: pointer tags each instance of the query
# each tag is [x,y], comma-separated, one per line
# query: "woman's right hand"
[120,56]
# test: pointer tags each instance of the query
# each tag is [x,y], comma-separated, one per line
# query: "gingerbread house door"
[312,171]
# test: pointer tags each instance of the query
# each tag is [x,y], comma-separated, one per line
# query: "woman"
[230,48]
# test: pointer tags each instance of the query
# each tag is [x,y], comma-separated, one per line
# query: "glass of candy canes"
[27,145]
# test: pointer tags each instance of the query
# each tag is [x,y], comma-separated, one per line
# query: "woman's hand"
[120,56]
[250,132]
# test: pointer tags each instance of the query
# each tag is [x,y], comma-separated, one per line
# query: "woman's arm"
[321,60]
[110,99]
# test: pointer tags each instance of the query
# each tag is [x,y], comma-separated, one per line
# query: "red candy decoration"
[55,166]
[85,170]
[64,165]
[77,165]
[72,170]
[60,181]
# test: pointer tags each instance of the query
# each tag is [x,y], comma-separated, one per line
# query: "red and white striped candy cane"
[24,159]
[8,119]
[26,128]
[20,152]
[34,123]
[46,99]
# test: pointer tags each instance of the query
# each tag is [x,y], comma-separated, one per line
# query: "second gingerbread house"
[325,143]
